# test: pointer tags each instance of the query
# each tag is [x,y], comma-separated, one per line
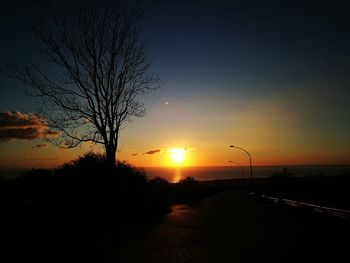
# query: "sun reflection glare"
[177,175]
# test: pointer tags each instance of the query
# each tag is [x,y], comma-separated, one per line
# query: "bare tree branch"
[92,70]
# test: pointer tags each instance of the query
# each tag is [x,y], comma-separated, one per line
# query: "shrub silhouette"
[88,165]
[189,181]
[158,181]
[87,194]
[127,173]
[38,175]
[94,166]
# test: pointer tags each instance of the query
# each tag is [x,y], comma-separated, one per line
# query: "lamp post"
[250,159]
[240,166]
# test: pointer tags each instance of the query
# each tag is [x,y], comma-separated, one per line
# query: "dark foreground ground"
[128,218]
[230,227]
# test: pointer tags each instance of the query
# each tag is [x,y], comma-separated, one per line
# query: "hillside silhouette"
[77,211]
[83,210]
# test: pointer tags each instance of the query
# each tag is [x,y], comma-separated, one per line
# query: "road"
[231,227]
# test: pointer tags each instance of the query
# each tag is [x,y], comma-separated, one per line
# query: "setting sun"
[177,156]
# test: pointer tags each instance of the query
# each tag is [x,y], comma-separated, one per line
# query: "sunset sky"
[272,77]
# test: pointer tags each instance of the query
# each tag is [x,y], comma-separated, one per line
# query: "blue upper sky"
[256,46]
[250,58]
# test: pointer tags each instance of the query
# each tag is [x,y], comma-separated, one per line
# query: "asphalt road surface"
[231,227]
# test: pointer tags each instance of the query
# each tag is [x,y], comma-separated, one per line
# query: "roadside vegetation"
[80,210]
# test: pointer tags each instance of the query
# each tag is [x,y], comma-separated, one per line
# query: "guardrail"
[315,208]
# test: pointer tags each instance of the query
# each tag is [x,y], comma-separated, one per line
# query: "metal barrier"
[316,208]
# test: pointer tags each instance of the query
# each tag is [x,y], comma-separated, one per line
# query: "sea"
[203,173]
[175,174]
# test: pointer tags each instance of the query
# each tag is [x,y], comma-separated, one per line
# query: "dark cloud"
[22,126]
[40,146]
[154,151]
[134,154]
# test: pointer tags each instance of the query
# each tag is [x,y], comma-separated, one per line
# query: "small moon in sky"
[166,102]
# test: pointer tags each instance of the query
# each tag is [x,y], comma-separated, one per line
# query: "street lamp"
[238,165]
[250,159]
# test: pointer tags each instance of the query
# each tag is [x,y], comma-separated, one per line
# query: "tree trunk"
[110,156]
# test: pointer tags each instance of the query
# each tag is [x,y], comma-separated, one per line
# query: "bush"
[94,166]
[188,181]
[158,181]
[37,175]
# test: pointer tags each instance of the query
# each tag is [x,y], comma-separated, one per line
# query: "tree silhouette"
[91,73]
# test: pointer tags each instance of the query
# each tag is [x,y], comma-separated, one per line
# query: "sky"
[271,77]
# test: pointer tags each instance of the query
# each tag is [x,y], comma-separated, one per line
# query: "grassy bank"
[82,210]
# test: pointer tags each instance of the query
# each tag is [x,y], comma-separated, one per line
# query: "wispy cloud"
[155,151]
[188,149]
[164,150]
[40,146]
[22,126]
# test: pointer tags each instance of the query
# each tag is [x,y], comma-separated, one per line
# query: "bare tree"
[91,72]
